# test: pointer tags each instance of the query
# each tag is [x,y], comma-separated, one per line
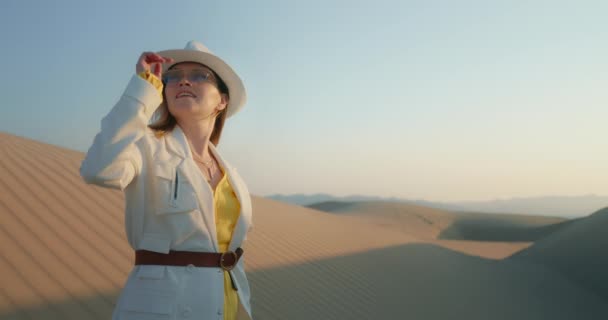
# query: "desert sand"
[64,254]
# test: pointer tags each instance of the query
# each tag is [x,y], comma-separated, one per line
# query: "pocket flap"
[174,191]
[164,171]
[148,302]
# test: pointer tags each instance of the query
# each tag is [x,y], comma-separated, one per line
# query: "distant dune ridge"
[65,255]
[561,206]
[436,223]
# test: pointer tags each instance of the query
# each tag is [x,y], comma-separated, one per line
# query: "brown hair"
[166,121]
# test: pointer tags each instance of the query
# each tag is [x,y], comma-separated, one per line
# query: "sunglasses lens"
[194,76]
[199,76]
[171,77]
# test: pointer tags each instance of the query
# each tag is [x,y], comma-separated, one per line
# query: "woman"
[187,210]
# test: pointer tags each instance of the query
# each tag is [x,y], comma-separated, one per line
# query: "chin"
[185,104]
[186,111]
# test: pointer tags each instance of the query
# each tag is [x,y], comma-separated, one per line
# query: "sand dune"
[429,223]
[494,236]
[423,222]
[64,256]
[578,251]
[502,227]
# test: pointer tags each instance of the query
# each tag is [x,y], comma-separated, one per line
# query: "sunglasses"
[173,77]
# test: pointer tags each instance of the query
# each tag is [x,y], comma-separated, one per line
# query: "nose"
[184,81]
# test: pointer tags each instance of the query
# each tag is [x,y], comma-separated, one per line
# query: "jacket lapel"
[244,220]
[178,145]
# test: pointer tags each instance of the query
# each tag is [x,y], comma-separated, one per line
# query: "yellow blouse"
[227,208]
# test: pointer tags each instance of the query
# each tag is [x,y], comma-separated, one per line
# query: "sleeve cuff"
[144,92]
[154,80]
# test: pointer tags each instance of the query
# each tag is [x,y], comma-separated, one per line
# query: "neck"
[198,134]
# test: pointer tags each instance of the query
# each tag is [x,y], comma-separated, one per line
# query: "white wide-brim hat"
[197,52]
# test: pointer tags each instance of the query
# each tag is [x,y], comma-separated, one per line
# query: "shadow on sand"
[414,281]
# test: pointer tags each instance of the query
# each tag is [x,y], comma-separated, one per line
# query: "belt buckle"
[225,267]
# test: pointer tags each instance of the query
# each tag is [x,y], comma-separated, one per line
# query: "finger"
[154,58]
[145,55]
[157,68]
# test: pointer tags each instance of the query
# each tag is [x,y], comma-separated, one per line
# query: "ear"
[223,102]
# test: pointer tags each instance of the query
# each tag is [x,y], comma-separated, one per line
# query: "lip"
[192,95]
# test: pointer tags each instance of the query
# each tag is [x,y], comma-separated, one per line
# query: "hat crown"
[197,46]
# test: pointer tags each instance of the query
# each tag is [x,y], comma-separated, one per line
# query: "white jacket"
[169,206]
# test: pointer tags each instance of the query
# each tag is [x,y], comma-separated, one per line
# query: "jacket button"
[190,268]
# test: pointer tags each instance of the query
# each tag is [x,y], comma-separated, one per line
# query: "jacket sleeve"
[113,160]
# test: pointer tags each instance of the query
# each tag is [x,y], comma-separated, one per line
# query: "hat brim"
[236,88]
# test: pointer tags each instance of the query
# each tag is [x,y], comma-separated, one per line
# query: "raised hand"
[150,61]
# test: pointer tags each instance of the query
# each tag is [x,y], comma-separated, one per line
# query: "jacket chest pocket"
[174,194]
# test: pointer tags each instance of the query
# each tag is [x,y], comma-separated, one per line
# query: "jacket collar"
[177,144]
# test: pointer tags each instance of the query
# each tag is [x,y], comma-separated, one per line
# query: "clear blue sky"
[436,100]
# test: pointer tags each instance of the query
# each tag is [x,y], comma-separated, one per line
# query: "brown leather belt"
[225,260]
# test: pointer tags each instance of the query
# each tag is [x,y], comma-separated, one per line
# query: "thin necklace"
[208,165]
[209,168]
[197,158]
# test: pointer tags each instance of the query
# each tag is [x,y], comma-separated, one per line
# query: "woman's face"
[191,92]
